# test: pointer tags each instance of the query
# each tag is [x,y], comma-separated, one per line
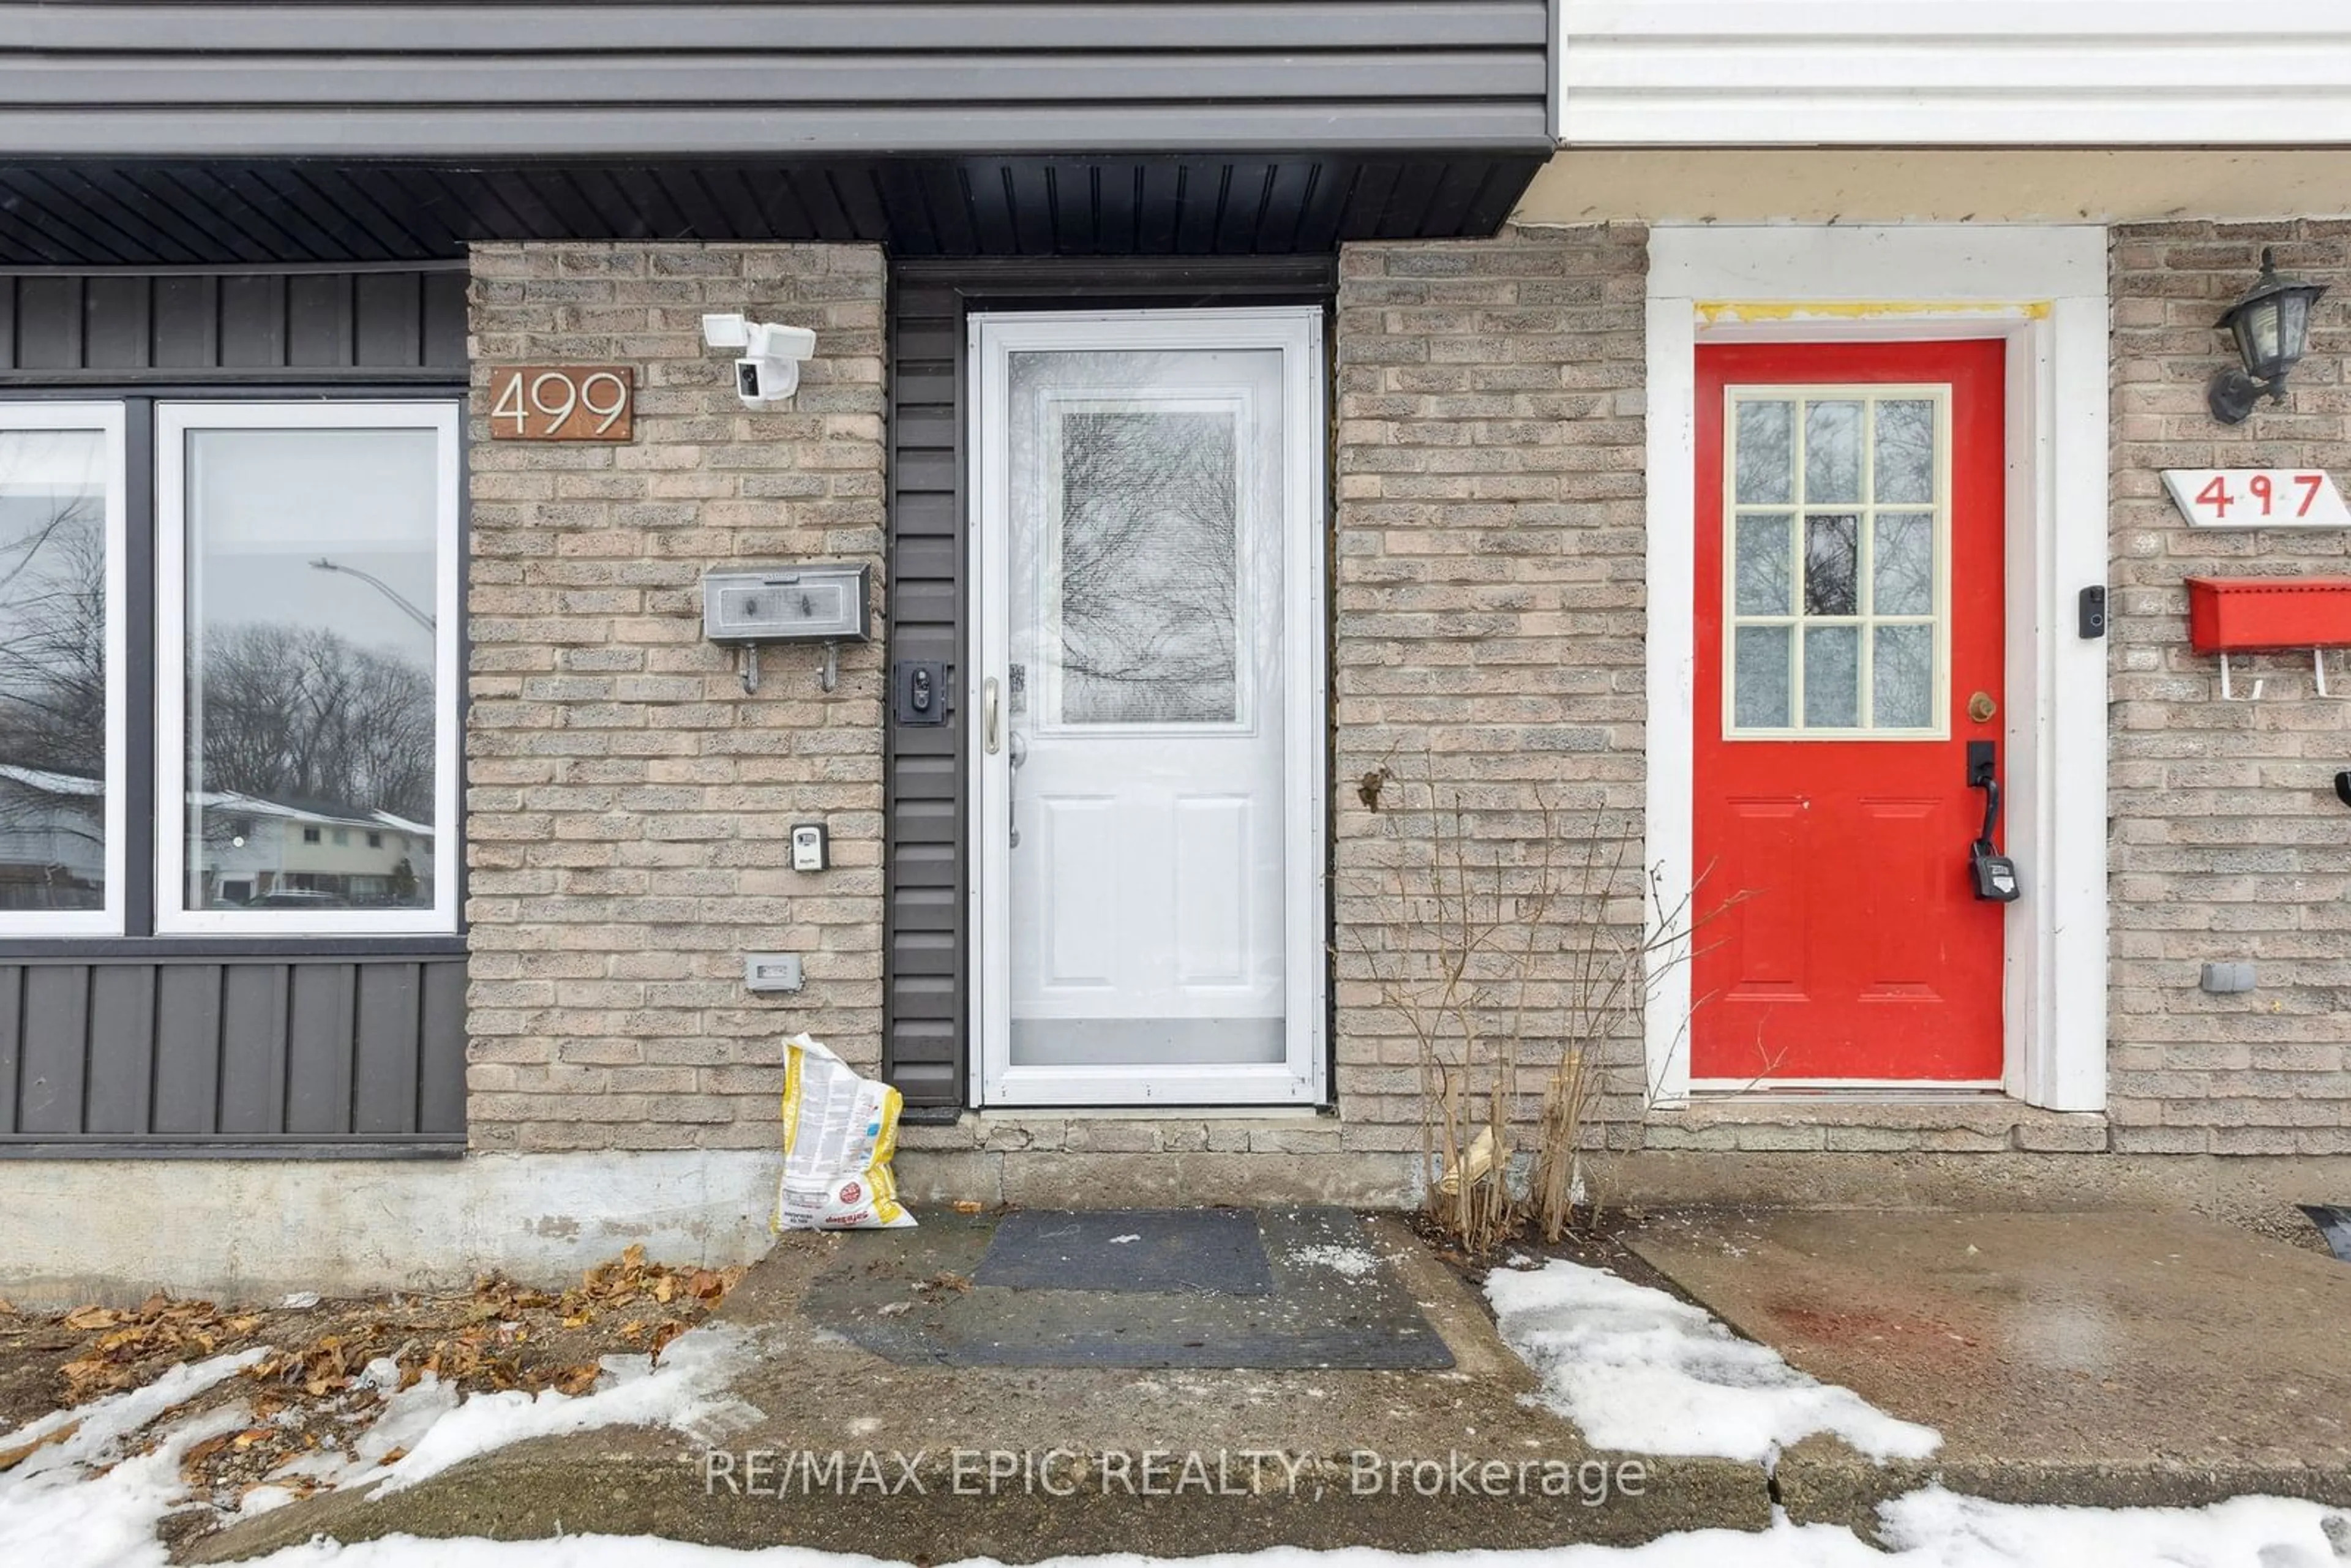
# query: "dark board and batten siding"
[329,79]
[309,1056]
[926,979]
[200,1046]
[75,328]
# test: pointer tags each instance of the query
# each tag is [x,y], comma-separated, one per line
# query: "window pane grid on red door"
[1836,559]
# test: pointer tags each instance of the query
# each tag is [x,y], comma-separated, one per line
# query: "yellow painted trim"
[1713,311]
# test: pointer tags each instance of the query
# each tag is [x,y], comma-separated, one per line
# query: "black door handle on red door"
[1993,874]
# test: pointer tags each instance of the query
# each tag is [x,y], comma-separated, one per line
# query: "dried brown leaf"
[11,1457]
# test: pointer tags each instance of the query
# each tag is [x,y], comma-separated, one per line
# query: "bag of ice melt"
[840,1131]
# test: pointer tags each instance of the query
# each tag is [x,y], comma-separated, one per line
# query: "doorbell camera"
[768,370]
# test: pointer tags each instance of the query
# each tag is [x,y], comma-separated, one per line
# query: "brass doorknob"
[1980,707]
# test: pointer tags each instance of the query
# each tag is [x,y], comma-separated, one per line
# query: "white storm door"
[1147,887]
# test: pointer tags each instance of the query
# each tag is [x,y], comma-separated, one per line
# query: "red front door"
[1849,647]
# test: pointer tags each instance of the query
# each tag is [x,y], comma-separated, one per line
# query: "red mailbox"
[2264,614]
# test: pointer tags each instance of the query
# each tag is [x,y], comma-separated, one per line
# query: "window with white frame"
[307,567]
[62,757]
[304,565]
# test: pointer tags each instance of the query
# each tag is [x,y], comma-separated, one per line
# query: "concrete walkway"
[2098,1359]
[2106,1358]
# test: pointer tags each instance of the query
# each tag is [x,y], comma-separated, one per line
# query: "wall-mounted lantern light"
[2270,326]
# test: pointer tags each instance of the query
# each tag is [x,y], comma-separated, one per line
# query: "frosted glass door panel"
[1143,706]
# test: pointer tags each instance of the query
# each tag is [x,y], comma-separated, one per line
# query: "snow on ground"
[1640,1370]
[686,1391]
[1354,1262]
[61,1507]
[88,1499]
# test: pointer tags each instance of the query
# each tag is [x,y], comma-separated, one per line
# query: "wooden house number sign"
[562,402]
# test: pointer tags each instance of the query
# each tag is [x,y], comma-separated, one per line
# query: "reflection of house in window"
[295,854]
[52,840]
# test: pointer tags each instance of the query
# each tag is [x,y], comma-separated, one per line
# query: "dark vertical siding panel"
[388,310]
[12,1016]
[119,1053]
[924,947]
[116,331]
[320,1042]
[187,320]
[445,318]
[253,1048]
[187,1048]
[48,323]
[147,323]
[253,321]
[121,1070]
[390,1001]
[441,1065]
[319,319]
[54,1057]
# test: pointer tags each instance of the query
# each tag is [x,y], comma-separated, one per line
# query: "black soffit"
[149,214]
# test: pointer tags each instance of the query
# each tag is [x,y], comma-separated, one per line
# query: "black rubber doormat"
[1148,1249]
[1272,1289]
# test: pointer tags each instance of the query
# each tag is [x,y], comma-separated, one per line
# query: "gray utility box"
[809,602]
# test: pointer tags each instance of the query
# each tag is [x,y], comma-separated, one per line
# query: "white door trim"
[1300,1077]
[2042,291]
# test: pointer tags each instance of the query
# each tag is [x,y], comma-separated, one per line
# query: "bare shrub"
[1523,957]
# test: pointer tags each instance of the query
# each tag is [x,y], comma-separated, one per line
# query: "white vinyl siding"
[1933,73]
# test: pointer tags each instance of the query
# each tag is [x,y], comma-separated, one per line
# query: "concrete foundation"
[114,1230]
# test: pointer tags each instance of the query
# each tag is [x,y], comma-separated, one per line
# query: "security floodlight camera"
[768,370]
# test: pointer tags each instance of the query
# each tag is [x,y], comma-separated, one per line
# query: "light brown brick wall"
[628,804]
[1489,620]
[2227,840]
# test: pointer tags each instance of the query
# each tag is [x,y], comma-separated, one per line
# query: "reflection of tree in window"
[52,673]
[303,718]
[1832,565]
[1149,568]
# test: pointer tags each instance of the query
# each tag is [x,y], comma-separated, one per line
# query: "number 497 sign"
[560,402]
[2257,497]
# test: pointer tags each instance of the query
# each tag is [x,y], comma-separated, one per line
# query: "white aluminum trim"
[2055,737]
[108,419]
[1301,1077]
[173,422]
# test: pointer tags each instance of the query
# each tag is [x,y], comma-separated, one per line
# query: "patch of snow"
[265,1498]
[407,1415]
[686,1392]
[1935,1526]
[1122,1240]
[1637,1369]
[1356,1262]
[78,1502]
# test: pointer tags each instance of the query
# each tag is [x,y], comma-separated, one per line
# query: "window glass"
[1834,608]
[312,649]
[59,518]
